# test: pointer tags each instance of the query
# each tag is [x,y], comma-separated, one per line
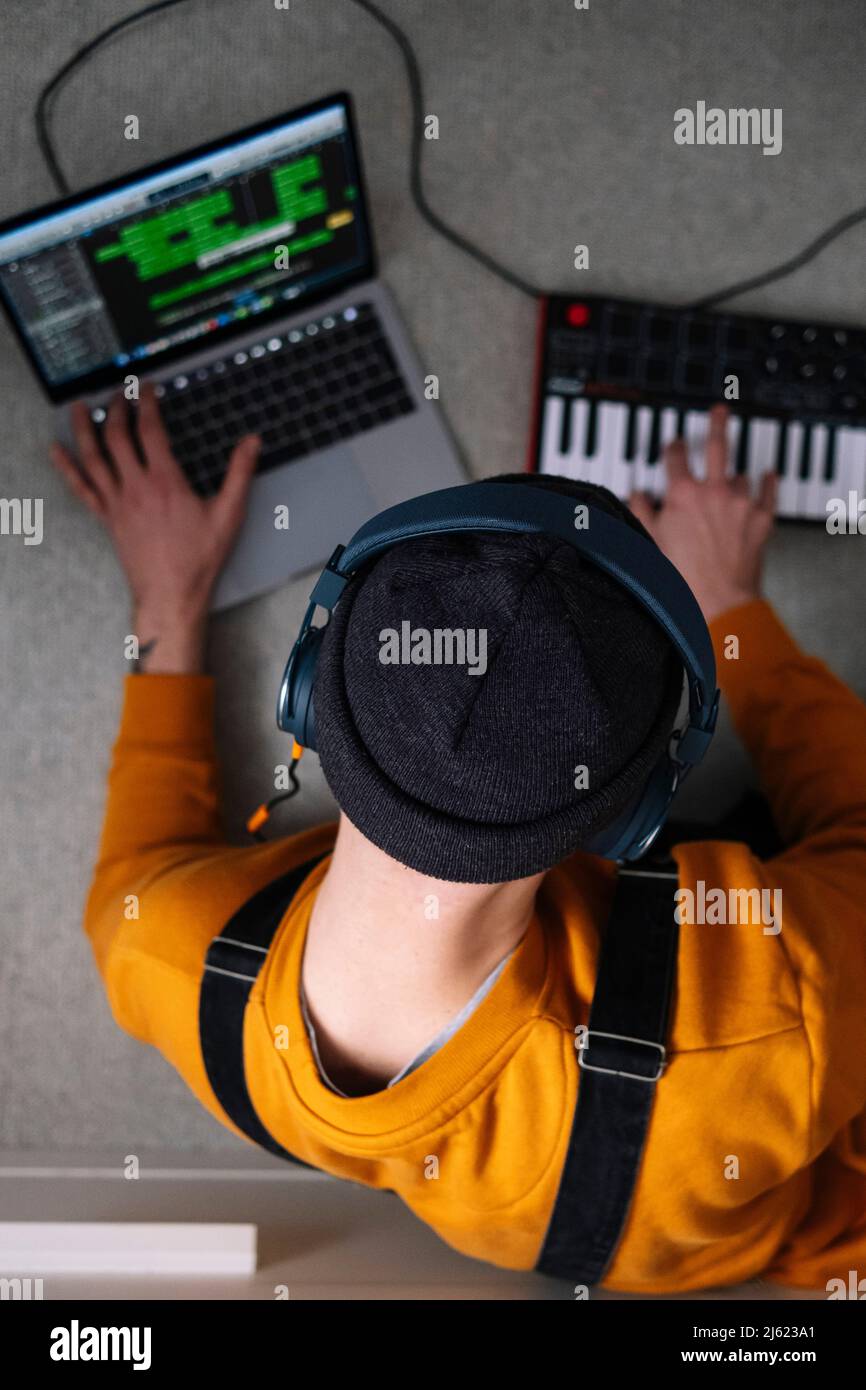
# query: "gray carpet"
[556,127]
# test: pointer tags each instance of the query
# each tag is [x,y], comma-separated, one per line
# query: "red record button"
[578,315]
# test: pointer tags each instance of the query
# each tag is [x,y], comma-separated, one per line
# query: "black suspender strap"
[621,1058]
[232,964]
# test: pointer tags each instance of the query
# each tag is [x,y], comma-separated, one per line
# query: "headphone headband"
[611,545]
[636,563]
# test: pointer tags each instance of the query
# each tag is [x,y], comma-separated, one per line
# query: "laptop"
[240,277]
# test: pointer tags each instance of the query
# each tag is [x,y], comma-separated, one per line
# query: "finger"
[641,506]
[717,445]
[118,440]
[676,461]
[76,481]
[153,436]
[90,456]
[230,501]
[768,489]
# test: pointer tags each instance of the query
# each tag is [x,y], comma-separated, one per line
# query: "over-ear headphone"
[614,546]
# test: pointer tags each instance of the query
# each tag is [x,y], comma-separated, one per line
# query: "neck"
[392,955]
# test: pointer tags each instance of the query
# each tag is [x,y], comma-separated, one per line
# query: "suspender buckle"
[615,1071]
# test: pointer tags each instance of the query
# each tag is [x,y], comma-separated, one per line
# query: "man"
[428,984]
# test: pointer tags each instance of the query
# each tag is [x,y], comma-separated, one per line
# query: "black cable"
[413,74]
[43,134]
[263,814]
[808,253]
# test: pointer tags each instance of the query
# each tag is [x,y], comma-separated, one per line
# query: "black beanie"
[471,778]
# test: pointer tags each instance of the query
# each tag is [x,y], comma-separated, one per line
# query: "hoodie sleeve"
[806,734]
[163,797]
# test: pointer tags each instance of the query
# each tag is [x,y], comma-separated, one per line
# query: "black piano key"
[591,443]
[631,435]
[681,425]
[741,465]
[565,427]
[830,458]
[782,448]
[655,438]
[803,472]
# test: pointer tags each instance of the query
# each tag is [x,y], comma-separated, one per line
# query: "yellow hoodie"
[755,1161]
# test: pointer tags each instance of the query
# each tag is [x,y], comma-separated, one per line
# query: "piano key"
[609,466]
[643,472]
[668,432]
[579,435]
[551,459]
[741,457]
[631,434]
[763,435]
[805,460]
[653,448]
[591,429]
[817,488]
[697,428]
[565,429]
[782,448]
[733,439]
[791,489]
[851,455]
[830,458]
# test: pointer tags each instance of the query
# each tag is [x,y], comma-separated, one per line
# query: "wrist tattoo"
[144,652]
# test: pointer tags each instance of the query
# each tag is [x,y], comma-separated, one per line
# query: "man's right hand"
[713,530]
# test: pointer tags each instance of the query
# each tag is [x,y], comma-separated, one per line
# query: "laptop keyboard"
[302,390]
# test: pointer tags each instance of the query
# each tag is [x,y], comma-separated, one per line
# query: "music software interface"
[168,259]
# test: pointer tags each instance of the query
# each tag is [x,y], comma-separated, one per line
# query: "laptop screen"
[153,266]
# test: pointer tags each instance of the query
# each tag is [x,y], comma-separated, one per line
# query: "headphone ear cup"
[635,828]
[295,713]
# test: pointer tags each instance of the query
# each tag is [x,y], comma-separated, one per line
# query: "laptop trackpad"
[297,514]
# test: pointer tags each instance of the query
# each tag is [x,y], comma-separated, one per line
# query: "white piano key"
[611,468]
[551,460]
[817,491]
[735,424]
[667,434]
[571,461]
[643,480]
[596,471]
[850,464]
[763,439]
[791,495]
[697,424]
